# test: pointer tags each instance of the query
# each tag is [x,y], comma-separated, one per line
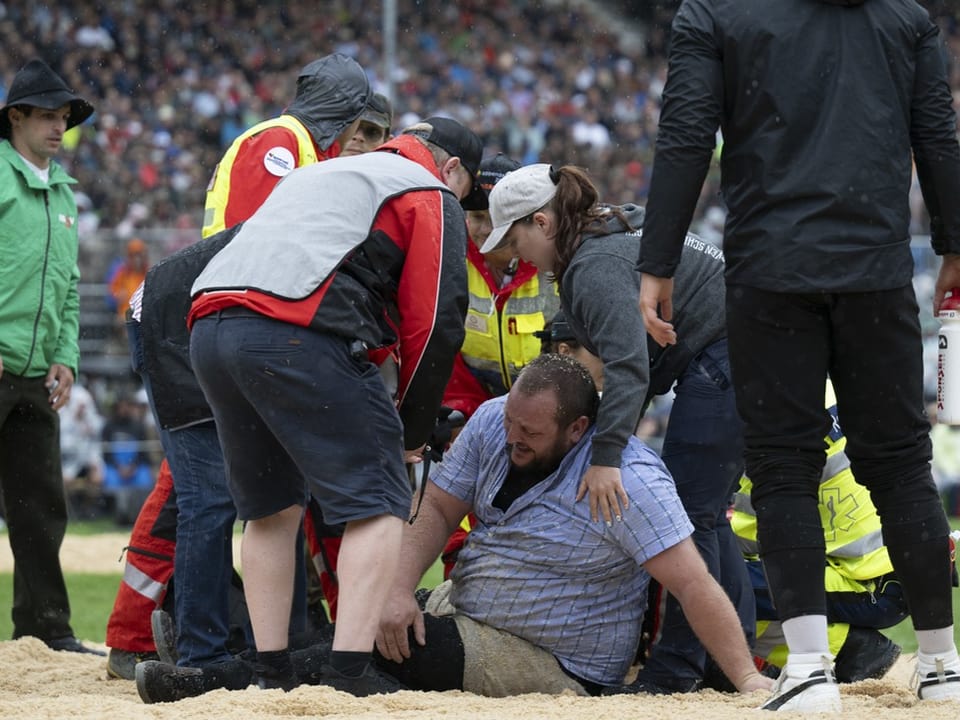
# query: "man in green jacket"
[39,328]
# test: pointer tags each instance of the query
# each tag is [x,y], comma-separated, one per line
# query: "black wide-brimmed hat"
[39,86]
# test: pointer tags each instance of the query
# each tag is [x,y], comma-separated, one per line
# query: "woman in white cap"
[554,219]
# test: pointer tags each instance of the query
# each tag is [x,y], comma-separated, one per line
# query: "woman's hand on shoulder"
[606,494]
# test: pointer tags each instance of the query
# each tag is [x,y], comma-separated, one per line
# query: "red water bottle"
[948,360]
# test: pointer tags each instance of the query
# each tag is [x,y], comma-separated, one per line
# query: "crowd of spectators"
[174,83]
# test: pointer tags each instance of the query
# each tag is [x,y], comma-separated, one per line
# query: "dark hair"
[569,381]
[577,207]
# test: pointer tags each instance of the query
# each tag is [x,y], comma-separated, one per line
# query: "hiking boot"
[806,684]
[121,664]
[371,682]
[164,636]
[71,644]
[937,677]
[866,654]
[162,682]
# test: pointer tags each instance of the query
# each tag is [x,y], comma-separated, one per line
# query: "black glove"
[448,420]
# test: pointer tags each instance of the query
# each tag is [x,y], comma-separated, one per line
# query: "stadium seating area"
[174,83]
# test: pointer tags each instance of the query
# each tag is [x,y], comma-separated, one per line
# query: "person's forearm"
[422,543]
[713,619]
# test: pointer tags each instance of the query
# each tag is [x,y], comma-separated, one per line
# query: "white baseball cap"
[519,194]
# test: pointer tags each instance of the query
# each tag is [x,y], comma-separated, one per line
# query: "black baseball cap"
[459,141]
[558,331]
[491,172]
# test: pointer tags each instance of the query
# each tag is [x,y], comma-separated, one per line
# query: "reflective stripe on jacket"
[500,323]
[851,526]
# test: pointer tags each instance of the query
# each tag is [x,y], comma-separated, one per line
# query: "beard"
[539,465]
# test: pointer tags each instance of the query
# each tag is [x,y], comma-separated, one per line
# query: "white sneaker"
[937,677]
[806,684]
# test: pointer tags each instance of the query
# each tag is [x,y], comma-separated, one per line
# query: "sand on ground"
[37,683]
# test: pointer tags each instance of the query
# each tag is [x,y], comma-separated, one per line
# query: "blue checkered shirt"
[543,570]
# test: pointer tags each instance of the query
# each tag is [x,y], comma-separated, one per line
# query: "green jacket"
[39,303]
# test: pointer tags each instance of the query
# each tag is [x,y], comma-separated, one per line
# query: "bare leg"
[367,561]
[268,572]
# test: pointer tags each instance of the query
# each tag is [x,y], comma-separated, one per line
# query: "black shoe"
[121,664]
[164,635]
[309,663]
[371,682]
[71,644]
[162,682]
[271,678]
[647,687]
[866,654]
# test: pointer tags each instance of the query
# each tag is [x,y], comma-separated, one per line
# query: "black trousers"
[782,348]
[31,481]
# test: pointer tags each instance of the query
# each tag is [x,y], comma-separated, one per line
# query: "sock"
[351,664]
[936,643]
[807,634]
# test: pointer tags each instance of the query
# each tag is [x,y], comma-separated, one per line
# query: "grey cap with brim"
[520,194]
[378,111]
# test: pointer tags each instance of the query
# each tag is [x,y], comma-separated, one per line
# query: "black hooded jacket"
[823,107]
[331,94]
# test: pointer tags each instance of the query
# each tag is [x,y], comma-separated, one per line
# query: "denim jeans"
[703,449]
[203,561]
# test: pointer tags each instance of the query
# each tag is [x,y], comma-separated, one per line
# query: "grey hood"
[845,3]
[633,213]
[332,92]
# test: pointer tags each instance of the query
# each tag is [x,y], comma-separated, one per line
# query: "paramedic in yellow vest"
[314,127]
[509,304]
[863,595]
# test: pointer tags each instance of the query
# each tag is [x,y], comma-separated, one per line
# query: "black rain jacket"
[823,108]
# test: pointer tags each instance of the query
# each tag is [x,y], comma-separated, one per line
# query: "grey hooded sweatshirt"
[599,293]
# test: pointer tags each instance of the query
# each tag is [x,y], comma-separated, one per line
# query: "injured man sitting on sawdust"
[543,599]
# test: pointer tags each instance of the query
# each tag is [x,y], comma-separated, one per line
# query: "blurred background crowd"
[174,83]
